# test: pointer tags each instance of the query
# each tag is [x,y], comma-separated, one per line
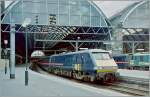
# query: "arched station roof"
[68,12]
[134,16]
[132,24]
[57,20]
[133,19]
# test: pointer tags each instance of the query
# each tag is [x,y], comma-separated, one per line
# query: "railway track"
[123,87]
[131,89]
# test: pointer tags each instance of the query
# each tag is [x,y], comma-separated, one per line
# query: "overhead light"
[5,42]
[111,43]
[83,48]
[140,49]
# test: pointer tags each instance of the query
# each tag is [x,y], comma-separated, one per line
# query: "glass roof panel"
[67,12]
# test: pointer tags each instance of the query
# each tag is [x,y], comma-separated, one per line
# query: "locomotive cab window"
[101,56]
[141,58]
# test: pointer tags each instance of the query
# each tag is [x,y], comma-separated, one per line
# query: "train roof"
[141,54]
[120,55]
[83,51]
[135,54]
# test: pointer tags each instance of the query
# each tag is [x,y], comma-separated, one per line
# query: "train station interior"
[74,48]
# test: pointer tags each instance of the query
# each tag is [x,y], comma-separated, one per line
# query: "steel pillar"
[26,71]
[2,5]
[12,51]
[77,43]
[0,43]
[43,46]
[133,48]
[77,46]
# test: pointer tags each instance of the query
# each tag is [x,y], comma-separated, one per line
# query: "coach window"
[50,59]
[74,59]
[141,58]
[82,59]
[53,59]
[87,59]
[66,59]
[146,58]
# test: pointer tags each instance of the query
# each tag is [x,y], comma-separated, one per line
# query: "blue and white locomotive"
[87,65]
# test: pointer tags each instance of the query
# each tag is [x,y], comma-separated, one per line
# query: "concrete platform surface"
[47,85]
[134,73]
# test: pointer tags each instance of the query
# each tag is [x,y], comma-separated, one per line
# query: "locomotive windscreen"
[101,55]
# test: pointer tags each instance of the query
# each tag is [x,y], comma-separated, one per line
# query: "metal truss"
[90,41]
[54,32]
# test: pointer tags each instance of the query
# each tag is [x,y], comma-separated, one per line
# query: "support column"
[133,48]
[76,46]
[2,5]
[0,42]
[12,51]
[43,45]
[77,43]
[26,71]
[55,52]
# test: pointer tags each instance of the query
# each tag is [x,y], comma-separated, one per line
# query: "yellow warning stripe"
[103,70]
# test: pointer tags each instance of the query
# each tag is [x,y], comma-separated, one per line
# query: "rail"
[133,89]
[134,80]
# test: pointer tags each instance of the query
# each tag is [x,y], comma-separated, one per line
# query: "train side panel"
[88,63]
[78,62]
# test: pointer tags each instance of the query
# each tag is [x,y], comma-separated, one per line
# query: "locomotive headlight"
[114,67]
[99,67]
[95,68]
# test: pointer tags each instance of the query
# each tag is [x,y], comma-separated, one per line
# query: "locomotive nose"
[106,65]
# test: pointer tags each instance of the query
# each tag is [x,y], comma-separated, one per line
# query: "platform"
[134,73]
[43,85]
